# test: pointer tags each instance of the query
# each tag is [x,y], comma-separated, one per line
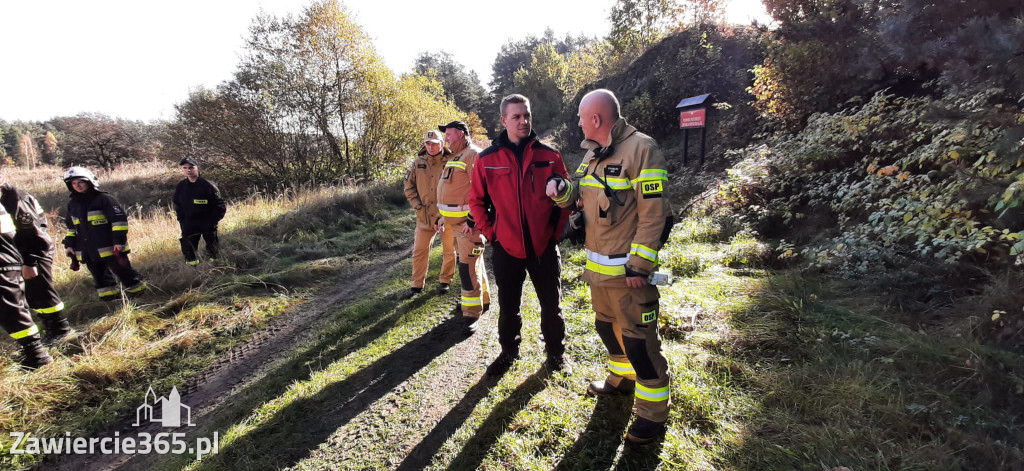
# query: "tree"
[50,148]
[701,13]
[542,82]
[547,70]
[27,154]
[637,24]
[462,88]
[93,138]
[311,102]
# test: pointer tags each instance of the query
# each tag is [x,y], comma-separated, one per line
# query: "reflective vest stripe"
[613,182]
[606,265]
[51,310]
[651,394]
[621,369]
[25,333]
[644,252]
[453,210]
[606,270]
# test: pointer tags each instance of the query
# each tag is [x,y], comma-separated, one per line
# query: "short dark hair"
[513,98]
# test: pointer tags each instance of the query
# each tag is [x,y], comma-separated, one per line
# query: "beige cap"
[433,136]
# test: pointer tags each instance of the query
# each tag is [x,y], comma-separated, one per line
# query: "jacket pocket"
[606,210]
[498,171]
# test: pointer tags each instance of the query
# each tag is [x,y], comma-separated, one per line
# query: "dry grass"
[189,314]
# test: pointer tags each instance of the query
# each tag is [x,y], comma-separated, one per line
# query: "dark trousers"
[509,275]
[14,316]
[190,243]
[104,270]
[39,291]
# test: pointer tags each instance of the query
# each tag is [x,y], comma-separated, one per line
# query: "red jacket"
[504,194]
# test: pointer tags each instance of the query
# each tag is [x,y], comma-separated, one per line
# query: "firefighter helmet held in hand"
[80,173]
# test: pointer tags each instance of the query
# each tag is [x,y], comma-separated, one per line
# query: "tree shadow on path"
[476,449]
[421,455]
[596,446]
[302,425]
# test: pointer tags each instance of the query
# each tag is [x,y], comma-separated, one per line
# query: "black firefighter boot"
[34,355]
[57,329]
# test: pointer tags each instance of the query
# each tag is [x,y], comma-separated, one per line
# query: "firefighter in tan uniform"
[452,199]
[619,187]
[421,191]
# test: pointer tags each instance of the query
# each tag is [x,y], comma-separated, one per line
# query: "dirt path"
[242,366]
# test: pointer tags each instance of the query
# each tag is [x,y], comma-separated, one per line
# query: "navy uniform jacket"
[198,206]
[31,239]
[96,222]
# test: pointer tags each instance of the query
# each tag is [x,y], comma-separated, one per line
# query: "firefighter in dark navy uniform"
[98,235]
[199,208]
[36,249]
[14,316]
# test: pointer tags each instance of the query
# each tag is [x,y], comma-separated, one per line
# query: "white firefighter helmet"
[80,173]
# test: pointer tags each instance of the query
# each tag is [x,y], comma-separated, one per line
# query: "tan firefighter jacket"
[421,186]
[453,187]
[623,235]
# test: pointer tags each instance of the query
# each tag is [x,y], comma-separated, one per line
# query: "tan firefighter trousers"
[627,322]
[472,274]
[421,255]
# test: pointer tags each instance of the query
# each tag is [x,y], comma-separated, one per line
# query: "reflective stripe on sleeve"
[72,233]
[120,226]
[644,252]
[565,197]
[105,252]
[651,394]
[650,175]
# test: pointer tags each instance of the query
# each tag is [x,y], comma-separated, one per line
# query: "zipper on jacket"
[519,195]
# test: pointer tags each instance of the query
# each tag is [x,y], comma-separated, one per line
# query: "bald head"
[599,110]
[603,102]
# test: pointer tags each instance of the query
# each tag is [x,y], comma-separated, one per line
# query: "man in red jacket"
[508,203]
